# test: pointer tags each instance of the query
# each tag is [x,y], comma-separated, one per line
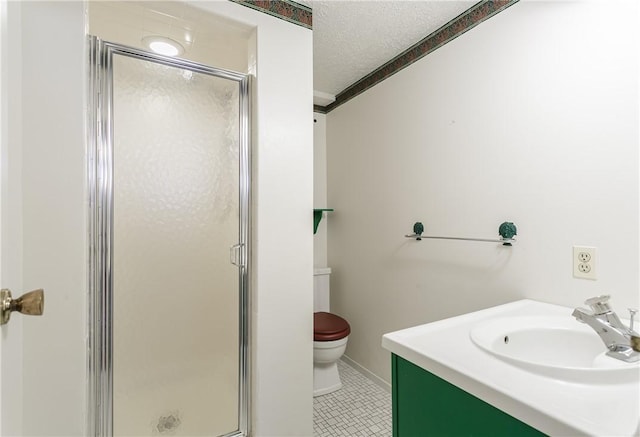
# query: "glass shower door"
[176,172]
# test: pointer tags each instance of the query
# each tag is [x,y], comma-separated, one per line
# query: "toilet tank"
[321,289]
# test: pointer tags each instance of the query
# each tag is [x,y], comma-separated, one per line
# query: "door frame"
[100,185]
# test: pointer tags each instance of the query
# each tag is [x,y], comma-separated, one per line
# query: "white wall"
[320,188]
[53,74]
[54,210]
[531,117]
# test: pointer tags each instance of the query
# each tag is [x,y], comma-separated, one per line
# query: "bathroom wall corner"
[320,187]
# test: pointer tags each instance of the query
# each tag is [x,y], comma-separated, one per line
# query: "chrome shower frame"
[100,235]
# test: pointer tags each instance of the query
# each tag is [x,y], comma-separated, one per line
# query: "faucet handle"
[632,315]
[599,304]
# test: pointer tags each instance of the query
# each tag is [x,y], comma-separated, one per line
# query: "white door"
[10,229]
[43,216]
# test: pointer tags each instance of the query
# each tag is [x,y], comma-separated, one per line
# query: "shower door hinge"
[236,255]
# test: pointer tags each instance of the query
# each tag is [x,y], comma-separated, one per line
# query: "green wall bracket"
[317,216]
[507,231]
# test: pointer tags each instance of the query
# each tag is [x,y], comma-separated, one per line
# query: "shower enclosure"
[169,185]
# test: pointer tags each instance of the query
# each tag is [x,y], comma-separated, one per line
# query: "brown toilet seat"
[329,327]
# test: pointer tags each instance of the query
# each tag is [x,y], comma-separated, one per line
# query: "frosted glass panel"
[175,309]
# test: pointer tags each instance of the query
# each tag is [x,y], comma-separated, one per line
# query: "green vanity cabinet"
[425,405]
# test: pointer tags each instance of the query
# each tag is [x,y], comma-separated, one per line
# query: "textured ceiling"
[351,38]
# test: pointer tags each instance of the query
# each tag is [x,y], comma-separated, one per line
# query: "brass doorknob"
[31,303]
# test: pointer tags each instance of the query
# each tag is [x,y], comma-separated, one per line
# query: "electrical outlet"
[584,262]
[584,257]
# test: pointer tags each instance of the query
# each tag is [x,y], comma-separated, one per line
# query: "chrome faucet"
[617,338]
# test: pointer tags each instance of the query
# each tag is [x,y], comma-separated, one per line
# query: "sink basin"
[555,346]
[552,373]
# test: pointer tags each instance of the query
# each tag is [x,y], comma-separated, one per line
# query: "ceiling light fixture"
[163,45]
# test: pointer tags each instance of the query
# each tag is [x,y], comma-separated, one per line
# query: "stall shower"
[169,187]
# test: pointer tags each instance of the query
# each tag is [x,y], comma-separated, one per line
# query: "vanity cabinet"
[426,405]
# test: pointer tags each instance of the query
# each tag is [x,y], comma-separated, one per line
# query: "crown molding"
[284,9]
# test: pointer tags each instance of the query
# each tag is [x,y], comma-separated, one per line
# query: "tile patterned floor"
[360,409]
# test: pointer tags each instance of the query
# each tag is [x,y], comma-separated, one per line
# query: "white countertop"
[555,407]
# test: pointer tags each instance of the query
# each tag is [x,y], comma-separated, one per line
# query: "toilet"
[330,335]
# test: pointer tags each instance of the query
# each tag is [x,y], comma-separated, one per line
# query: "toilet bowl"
[330,336]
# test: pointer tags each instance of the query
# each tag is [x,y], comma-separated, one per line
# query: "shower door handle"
[235,255]
[31,304]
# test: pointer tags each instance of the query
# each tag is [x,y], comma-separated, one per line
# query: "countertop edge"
[487,387]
